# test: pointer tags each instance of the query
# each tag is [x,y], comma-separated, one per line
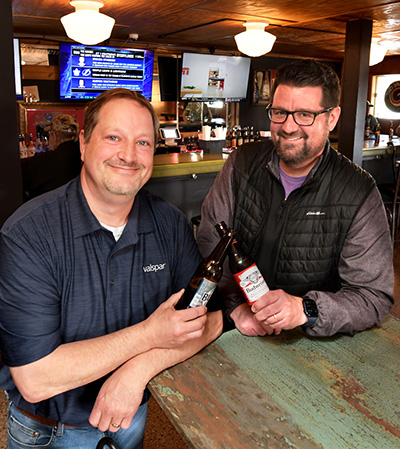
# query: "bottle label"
[252,283]
[203,293]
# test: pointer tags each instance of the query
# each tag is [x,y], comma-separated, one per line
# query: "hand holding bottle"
[246,273]
[206,277]
[171,328]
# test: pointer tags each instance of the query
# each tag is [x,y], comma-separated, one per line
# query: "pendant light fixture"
[87,25]
[377,52]
[255,41]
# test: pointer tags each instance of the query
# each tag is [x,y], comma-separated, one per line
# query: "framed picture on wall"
[34,117]
[262,84]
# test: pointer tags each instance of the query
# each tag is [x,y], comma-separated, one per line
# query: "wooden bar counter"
[178,164]
[288,391]
[184,179]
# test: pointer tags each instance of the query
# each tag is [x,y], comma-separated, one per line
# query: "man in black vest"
[313,221]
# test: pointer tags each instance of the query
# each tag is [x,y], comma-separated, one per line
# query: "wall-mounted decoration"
[34,117]
[392,97]
[262,85]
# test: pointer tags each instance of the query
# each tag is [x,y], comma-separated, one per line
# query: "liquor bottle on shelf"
[31,146]
[206,277]
[234,138]
[251,137]
[377,135]
[246,135]
[45,143]
[38,144]
[239,137]
[391,131]
[228,139]
[23,151]
[244,270]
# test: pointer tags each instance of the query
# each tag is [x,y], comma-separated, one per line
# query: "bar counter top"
[178,164]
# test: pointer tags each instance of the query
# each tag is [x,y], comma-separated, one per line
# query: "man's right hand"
[171,328]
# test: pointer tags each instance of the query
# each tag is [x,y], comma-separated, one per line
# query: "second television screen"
[87,71]
[214,77]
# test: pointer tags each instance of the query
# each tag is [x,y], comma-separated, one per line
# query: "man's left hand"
[279,310]
[118,400]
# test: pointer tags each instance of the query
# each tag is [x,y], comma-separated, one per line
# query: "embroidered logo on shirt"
[315,213]
[156,267]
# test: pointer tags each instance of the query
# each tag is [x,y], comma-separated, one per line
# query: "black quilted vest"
[315,218]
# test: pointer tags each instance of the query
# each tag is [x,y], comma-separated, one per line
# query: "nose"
[290,125]
[128,153]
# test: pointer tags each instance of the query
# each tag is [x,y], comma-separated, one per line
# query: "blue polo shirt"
[64,278]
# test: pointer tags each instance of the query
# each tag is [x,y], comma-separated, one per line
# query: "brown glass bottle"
[244,270]
[206,277]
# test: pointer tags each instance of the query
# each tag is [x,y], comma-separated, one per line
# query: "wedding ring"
[117,426]
[275,318]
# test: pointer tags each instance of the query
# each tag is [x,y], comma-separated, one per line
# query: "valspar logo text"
[155,267]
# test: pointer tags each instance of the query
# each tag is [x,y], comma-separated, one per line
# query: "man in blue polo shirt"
[89,277]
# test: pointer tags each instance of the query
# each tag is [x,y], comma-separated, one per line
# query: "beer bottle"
[391,131]
[244,270]
[377,135]
[234,138]
[206,277]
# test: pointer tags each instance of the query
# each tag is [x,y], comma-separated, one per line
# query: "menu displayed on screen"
[87,71]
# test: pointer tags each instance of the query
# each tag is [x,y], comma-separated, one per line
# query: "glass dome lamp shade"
[87,25]
[255,41]
[377,52]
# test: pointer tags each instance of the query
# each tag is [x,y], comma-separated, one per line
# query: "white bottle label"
[252,283]
[203,293]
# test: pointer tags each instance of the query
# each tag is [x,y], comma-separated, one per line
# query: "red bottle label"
[252,283]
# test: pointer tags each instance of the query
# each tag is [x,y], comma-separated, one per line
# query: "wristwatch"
[311,311]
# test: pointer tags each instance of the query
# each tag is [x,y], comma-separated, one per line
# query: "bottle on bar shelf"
[23,151]
[246,273]
[228,139]
[251,137]
[234,138]
[246,135]
[391,131]
[206,277]
[239,137]
[377,135]
[31,146]
[38,144]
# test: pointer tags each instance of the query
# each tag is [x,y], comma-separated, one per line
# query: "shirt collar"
[84,221]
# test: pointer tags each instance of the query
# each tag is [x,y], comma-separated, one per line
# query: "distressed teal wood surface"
[289,391]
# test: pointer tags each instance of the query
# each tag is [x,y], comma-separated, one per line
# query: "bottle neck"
[222,248]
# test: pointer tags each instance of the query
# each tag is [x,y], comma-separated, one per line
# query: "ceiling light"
[87,25]
[377,52]
[255,41]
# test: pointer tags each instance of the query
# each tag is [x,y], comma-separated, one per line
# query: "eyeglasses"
[301,118]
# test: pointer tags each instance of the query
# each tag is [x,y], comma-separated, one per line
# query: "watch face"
[310,307]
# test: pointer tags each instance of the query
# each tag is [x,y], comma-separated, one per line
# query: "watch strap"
[310,310]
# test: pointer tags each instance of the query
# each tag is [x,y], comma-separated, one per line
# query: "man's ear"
[82,144]
[334,117]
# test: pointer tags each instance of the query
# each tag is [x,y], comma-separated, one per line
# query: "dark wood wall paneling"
[10,166]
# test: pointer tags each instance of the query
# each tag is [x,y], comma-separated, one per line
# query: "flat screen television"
[87,71]
[214,77]
[17,68]
[169,70]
